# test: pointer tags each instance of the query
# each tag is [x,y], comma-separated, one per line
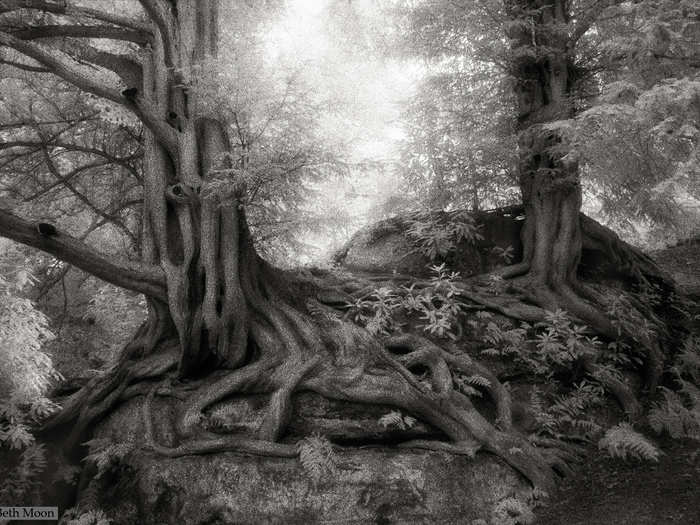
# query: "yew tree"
[222,321]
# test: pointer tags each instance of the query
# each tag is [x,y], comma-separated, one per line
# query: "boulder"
[375,483]
[385,247]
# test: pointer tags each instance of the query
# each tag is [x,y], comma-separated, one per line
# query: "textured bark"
[543,42]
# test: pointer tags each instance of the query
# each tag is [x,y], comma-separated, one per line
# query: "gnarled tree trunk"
[543,68]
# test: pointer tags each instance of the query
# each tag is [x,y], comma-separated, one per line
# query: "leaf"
[316,456]
[624,442]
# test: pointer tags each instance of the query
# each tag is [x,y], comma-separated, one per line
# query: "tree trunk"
[202,244]
[549,179]
[543,70]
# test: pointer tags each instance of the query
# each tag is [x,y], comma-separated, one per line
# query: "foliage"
[118,312]
[624,442]
[438,235]
[22,478]
[92,517]
[437,304]
[459,150]
[375,311]
[467,384]
[105,454]
[317,457]
[678,413]
[397,419]
[513,511]
[558,343]
[505,254]
[25,377]
[27,371]
[569,415]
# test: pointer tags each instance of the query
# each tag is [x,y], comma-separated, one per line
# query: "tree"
[637,142]
[214,303]
[222,320]
[543,50]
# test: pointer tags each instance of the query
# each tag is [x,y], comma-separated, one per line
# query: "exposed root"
[238,444]
[623,393]
[462,448]
[238,381]
[459,363]
[280,403]
[103,392]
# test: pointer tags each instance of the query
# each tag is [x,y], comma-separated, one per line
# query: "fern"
[92,517]
[105,454]
[512,511]
[567,416]
[624,442]
[397,419]
[317,457]
[466,384]
[23,476]
[673,417]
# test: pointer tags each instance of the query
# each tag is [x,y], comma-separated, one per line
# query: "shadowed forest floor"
[608,491]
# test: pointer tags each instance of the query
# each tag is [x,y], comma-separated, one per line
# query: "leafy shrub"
[678,413]
[624,442]
[673,417]
[118,312]
[375,312]
[568,416]
[505,254]
[437,235]
[558,343]
[25,377]
[437,305]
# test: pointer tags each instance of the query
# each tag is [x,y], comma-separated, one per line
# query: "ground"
[608,491]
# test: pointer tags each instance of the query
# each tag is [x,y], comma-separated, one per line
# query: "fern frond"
[317,457]
[105,454]
[673,417]
[624,442]
[397,419]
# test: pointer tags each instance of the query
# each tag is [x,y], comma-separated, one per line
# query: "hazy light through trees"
[336,53]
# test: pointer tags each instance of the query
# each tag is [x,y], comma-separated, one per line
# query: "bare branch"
[139,277]
[586,19]
[63,8]
[72,73]
[83,31]
[24,67]
[163,19]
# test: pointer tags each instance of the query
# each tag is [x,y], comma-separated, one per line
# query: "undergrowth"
[553,351]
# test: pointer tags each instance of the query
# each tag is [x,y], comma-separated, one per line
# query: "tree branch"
[81,31]
[63,8]
[71,73]
[163,19]
[139,277]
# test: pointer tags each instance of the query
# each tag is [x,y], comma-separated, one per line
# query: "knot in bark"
[181,193]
